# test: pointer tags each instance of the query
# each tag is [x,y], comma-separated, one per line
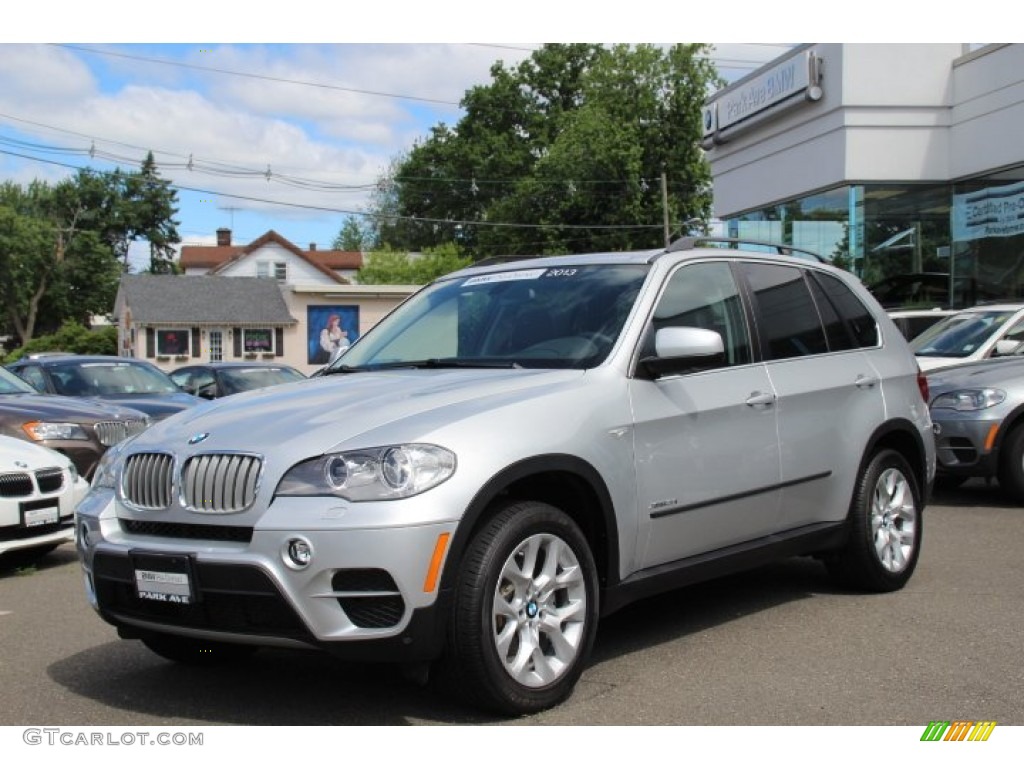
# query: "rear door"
[813,333]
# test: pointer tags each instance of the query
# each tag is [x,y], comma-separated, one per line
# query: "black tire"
[884,527]
[196,652]
[524,535]
[1011,464]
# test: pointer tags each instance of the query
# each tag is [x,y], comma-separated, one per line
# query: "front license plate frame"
[164,578]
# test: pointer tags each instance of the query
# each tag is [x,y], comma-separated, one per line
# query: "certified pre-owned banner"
[989,212]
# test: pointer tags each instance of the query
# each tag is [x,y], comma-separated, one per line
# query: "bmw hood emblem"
[198,438]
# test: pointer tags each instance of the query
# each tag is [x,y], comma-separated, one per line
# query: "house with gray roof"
[173,320]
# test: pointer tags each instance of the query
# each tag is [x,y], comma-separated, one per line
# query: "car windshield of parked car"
[114,378]
[12,385]
[530,317]
[959,335]
[234,380]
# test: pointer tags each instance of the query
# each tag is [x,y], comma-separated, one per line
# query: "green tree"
[154,203]
[351,236]
[71,337]
[64,246]
[51,266]
[387,266]
[573,142]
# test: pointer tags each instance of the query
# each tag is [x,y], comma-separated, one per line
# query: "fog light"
[298,553]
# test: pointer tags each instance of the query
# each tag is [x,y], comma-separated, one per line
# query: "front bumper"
[366,592]
[966,446]
[15,535]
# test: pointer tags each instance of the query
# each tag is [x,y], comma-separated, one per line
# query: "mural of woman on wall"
[330,328]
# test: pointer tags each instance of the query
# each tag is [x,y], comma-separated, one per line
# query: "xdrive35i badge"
[198,438]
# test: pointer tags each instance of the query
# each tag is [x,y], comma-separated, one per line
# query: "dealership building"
[893,159]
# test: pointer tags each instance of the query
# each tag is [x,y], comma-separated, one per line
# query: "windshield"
[98,379]
[12,385]
[243,379]
[565,317]
[959,335]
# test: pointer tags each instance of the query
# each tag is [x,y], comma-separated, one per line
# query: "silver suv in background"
[517,450]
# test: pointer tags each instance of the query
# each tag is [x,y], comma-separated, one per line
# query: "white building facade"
[894,159]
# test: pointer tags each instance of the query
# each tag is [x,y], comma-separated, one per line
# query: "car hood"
[316,415]
[18,455]
[60,408]
[999,372]
[156,406]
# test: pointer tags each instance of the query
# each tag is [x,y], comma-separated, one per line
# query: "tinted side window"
[787,318]
[33,376]
[704,296]
[839,337]
[861,322]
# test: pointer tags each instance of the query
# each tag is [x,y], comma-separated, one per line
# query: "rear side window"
[33,376]
[857,317]
[787,318]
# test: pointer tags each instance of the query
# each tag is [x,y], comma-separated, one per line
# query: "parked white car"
[39,489]
[984,331]
[913,322]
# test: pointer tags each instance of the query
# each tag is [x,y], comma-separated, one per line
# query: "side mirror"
[1005,347]
[684,350]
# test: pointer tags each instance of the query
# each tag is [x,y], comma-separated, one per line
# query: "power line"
[218,168]
[366,214]
[271,78]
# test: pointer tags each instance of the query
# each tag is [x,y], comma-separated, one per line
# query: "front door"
[216,345]
[706,443]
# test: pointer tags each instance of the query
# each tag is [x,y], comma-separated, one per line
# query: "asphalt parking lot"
[780,645]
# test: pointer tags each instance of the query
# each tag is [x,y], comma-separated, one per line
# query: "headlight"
[391,472]
[105,475]
[969,399]
[52,430]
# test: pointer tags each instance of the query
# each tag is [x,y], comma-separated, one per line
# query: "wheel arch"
[904,437]
[564,481]
[1010,422]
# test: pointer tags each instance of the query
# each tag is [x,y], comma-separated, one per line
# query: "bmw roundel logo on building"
[708,119]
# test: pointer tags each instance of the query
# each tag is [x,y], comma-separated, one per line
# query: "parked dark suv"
[79,429]
[120,380]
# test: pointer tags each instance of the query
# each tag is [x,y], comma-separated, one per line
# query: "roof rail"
[690,242]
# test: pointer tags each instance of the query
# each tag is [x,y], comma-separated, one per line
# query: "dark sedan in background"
[79,429]
[120,380]
[213,380]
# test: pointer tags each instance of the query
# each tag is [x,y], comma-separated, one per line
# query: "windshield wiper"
[430,362]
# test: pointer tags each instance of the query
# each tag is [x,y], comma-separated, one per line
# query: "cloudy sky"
[257,136]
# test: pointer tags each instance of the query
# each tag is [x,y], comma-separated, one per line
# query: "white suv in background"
[517,450]
[984,331]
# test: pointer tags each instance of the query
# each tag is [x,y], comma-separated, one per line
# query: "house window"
[276,269]
[171,342]
[258,341]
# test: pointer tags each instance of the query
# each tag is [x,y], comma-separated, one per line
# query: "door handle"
[760,398]
[865,382]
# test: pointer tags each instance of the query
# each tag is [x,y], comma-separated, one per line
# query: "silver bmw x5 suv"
[517,450]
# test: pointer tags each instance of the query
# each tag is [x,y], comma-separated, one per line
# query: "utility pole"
[664,207]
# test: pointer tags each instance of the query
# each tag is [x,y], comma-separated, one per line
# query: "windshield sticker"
[501,277]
